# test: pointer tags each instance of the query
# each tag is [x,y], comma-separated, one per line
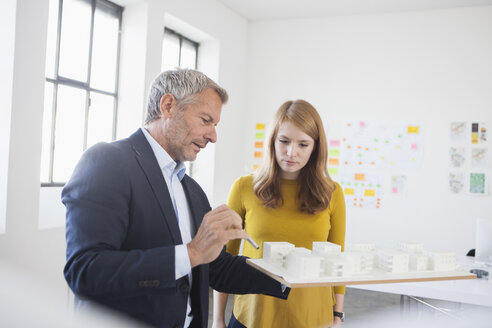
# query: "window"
[81,96]
[179,51]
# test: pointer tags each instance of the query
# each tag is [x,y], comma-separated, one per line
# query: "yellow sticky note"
[348,191]
[334,152]
[360,177]
[260,126]
[370,192]
[333,171]
[255,167]
[413,129]
[474,137]
[260,136]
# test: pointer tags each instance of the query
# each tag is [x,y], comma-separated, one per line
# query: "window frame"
[60,80]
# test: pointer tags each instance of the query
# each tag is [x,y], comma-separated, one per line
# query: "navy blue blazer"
[121,230]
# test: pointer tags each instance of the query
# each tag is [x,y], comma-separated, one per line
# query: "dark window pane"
[104,49]
[69,131]
[75,38]
[100,126]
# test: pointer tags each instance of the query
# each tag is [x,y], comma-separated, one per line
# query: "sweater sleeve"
[337,230]
[235,202]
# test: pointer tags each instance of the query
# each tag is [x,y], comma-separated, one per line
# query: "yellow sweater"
[305,307]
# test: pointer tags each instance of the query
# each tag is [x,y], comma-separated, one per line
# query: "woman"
[290,198]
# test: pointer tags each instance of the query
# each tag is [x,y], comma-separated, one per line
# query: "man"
[141,236]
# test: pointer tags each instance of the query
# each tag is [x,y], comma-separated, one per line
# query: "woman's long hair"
[315,185]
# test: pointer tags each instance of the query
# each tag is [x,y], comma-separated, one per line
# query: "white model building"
[362,247]
[302,264]
[410,247]
[392,260]
[323,248]
[441,261]
[418,262]
[276,252]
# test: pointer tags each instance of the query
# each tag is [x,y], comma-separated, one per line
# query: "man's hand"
[218,227]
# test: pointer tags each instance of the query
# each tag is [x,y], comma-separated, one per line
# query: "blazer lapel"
[147,161]
[192,197]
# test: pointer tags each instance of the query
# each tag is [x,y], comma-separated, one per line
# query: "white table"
[474,291]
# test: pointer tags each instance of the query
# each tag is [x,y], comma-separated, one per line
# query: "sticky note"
[349,191]
[414,146]
[395,190]
[333,161]
[258,154]
[260,136]
[333,171]
[334,152]
[335,143]
[260,126]
[255,167]
[413,129]
[360,177]
[370,192]
[258,144]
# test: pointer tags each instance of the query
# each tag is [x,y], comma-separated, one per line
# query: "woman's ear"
[167,105]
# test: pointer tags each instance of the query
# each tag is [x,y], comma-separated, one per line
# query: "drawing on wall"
[381,145]
[456,182]
[479,158]
[478,133]
[457,157]
[398,184]
[362,190]
[478,184]
[333,156]
[458,131]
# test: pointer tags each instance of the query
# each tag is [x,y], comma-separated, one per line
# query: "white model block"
[393,260]
[276,252]
[418,262]
[362,247]
[441,261]
[323,248]
[303,265]
[410,247]
[366,262]
[342,265]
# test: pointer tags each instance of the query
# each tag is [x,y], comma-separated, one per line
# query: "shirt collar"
[163,159]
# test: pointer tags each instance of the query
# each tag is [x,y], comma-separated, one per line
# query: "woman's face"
[293,148]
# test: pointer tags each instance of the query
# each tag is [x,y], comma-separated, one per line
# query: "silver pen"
[252,242]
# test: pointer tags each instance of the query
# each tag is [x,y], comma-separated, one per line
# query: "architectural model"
[327,259]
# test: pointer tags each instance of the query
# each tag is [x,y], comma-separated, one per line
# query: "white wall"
[7,25]
[432,67]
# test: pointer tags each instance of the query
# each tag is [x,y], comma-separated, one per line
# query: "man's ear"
[167,105]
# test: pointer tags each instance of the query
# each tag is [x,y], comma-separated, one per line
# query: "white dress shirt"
[173,174]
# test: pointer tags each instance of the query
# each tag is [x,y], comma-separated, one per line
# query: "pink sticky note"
[414,147]
[334,143]
[395,190]
[362,124]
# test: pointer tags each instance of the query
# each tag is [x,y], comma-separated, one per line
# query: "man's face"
[190,129]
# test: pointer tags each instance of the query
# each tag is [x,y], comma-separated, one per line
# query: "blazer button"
[156,283]
[185,288]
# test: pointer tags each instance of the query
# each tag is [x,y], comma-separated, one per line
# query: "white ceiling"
[284,9]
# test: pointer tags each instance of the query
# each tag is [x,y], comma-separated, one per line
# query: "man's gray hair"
[184,85]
